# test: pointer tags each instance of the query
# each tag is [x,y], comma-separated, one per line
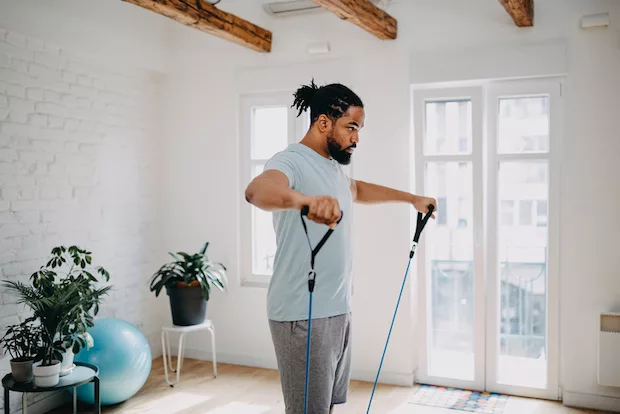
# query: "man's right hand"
[322,209]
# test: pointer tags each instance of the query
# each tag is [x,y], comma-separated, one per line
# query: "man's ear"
[324,123]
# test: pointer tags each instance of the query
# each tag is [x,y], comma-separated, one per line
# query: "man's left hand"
[421,204]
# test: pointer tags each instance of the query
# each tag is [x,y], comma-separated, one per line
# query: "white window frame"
[475,158]
[551,87]
[487,219]
[297,126]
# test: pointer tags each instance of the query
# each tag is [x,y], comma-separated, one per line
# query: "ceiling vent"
[297,7]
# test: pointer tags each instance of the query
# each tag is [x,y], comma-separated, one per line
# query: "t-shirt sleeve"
[285,162]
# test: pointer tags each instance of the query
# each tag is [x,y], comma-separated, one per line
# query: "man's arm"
[369,193]
[270,191]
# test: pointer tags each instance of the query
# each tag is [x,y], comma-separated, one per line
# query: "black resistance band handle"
[419,227]
[312,276]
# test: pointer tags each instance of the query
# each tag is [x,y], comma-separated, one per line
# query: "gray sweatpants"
[330,362]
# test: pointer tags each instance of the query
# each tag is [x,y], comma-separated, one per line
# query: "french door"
[487,266]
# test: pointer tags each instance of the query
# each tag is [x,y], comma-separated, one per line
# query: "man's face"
[344,135]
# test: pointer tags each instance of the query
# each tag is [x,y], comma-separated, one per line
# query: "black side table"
[83,373]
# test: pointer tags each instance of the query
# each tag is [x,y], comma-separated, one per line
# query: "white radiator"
[609,349]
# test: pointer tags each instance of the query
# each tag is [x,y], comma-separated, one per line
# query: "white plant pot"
[46,376]
[67,360]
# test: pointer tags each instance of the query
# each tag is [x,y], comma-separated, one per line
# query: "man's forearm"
[368,193]
[268,195]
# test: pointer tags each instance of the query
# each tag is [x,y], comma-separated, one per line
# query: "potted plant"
[66,364]
[22,343]
[64,302]
[188,280]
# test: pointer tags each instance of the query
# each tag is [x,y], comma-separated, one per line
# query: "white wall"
[590,202]
[80,147]
[101,29]
[199,174]
[445,41]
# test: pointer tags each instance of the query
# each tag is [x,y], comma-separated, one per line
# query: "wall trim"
[224,357]
[590,401]
[390,378]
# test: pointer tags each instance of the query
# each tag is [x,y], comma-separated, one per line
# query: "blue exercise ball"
[123,356]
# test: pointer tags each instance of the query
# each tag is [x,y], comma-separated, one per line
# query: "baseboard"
[391,378]
[592,402]
[234,359]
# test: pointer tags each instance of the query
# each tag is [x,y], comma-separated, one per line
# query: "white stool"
[184,330]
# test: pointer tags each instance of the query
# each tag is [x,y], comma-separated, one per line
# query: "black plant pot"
[187,305]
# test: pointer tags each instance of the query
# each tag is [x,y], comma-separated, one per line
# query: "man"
[309,173]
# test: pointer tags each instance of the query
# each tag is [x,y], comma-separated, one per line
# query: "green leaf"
[204,249]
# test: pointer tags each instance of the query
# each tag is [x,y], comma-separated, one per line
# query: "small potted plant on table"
[22,343]
[188,280]
[64,306]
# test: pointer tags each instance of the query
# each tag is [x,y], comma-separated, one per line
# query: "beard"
[337,152]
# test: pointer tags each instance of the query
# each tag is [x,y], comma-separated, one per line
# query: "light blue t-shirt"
[287,299]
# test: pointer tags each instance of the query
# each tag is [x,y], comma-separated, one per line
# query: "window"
[541,213]
[268,125]
[448,127]
[442,211]
[508,212]
[487,267]
[525,212]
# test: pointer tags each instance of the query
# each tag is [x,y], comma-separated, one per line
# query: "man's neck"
[316,143]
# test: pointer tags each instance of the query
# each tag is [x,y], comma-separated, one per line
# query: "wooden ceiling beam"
[363,14]
[521,11]
[204,16]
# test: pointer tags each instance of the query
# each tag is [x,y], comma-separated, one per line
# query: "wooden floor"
[247,390]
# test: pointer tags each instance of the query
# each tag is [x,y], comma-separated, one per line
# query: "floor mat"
[459,399]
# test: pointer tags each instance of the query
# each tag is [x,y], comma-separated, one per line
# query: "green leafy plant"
[63,302]
[22,341]
[190,270]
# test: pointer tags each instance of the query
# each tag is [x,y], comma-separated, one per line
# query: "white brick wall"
[79,151]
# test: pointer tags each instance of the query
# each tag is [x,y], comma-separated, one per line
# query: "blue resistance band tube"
[419,227]
[311,282]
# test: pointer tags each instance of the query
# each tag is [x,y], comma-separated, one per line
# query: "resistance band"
[311,282]
[418,231]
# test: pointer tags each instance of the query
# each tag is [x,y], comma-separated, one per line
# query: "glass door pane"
[269,135]
[450,272]
[448,127]
[523,125]
[263,236]
[269,131]
[522,268]
[523,297]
